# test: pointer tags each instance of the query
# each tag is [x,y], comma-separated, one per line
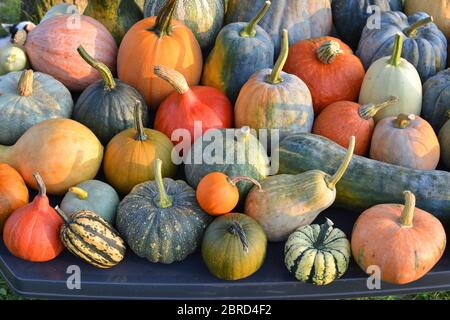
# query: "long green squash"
[367,182]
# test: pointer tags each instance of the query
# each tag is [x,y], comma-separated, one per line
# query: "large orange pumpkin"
[329,68]
[159,41]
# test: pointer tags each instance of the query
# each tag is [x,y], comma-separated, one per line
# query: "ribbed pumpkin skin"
[438,9]
[108,112]
[234,59]
[427,51]
[436,99]
[94,240]
[141,49]
[317,262]
[286,106]
[304,19]
[203,17]
[52,49]
[162,235]
[50,99]
[223,252]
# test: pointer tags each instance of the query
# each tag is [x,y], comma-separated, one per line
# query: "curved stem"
[328,51]
[324,228]
[80,193]
[250,30]
[403,121]
[236,229]
[63,215]
[102,68]
[235,180]
[407,217]
[173,77]
[332,181]
[275,76]
[25,86]
[138,125]
[163,24]
[163,200]
[411,31]
[40,184]
[368,111]
[397,52]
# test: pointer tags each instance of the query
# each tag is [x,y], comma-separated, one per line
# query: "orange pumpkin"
[407,141]
[13,192]
[403,241]
[159,41]
[32,232]
[329,68]
[341,120]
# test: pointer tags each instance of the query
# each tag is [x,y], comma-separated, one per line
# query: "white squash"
[12,58]
[393,76]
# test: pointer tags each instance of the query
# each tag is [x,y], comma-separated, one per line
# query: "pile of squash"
[358,118]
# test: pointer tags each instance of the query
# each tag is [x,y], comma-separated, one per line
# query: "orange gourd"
[32,232]
[329,68]
[13,192]
[158,41]
[405,242]
[341,120]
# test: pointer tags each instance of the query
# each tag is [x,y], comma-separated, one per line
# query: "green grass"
[9,12]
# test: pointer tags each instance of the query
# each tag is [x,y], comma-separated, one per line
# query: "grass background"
[10,13]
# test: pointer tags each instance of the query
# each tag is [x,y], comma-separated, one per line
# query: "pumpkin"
[92,195]
[158,41]
[317,254]
[234,247]
[204,17]
[51,48]
[28,98]
[218,194]
[425,46]
[396,5]
[37,9]
[436,99]
[272,99]
[202,104]
[407,141]
[239,153]
[160,220]
[130,154]
[91,238]
[438,9]
[329,68]
[304,19]
[444,141]
[343,119]
[107,106]
[13,192]
[12,58]
[63,151]
[405,242]
[292,201]
[32,231]
[393,76]
[241,49]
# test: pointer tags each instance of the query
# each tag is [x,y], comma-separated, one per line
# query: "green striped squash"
[90,237]
[317,254]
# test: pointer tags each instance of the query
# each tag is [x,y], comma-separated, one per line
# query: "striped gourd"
[317,254]
[90,237]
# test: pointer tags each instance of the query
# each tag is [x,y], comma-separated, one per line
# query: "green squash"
[28,98]
[92,195]
[161,220]
[234,246]
[317,254]
[241,49]
[288,202]
[12,58]
[204,17]
[444,141]
[59,10]
[107,106]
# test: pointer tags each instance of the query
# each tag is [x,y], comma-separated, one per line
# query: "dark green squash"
[107,106]
[161,220]
[234,246]
[444,141]
[436,99]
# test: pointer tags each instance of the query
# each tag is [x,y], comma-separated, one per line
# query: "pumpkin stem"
[139,126]
[236,229]
[25,86]
[163,25]
[40,184]
[324,228]
[235,180]
[448,113]
[80,193]
[368,111]
[102,68]
[332,181]
[250,30]
[62,214]
[411,31]
[275,76]
[328,51]
[406,219]
[403,121]
[163,200]
[397,52]
[173,77]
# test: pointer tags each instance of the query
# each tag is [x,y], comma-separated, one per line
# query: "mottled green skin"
[162,235]
[314,262]
[366,182]
[436,99]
